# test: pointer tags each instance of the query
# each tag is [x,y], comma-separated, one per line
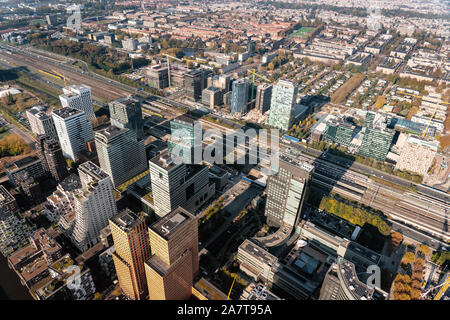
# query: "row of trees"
[347,88]
[354,215]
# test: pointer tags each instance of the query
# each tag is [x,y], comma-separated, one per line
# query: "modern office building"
[377,137]
[240,96]
[120,153]
[132,245]
[220,81]
[174,185]
[94,205]
[52,158]
[182,142]
[194,84]
[263,97]
[212,96]
[41,123]
[78,97]
[174,262]
[127,113]
[282,105]
[158,76]
[343,282]
[74,131]
[286,192]
[340,132]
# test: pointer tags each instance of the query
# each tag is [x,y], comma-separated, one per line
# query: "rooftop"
[167,226]
[67,112]
[93,170]
[126,220]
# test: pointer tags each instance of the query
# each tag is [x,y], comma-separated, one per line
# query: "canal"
[10,286]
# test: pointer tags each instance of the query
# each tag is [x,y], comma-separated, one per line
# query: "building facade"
[282,105]
[78,97]
[52,158]
[127,113]
[41,123]
[240,96]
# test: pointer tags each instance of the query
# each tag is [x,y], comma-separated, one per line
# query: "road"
[16,130]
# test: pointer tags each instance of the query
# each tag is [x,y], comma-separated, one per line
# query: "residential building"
[178,184]
[174,262]
[130,44]
[94,205]
[78,97]
[29,187]
[74,131]
[132,245]
[282,105]
[41,123]
[31,164]
[120,153]
[51,156]
[127,113]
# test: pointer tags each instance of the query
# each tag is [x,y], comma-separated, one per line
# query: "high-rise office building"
[212,97]
[174,262]
[263,97]
[132,245]
[194,82]
[78,97]
[282,105]
[41,123]
[181,142]
[240,96]
[127,113]
[286,192]
[74,131]
[158,76]
[94,205]
[174,185]
[120,153]
[377,137]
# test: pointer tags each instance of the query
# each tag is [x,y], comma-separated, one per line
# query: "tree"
[408,258]
[381,101]
[396,238]
[98,296]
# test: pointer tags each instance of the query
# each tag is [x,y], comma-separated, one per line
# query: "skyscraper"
[263,97]
[286,192]
[52,159]
[174,185]
[284,95]
[74,131]
[193,84]
[41,123]
[174,262]
[182,142]
[80,98]
[240,96]
[158,76]
[94,205]
[377,137]
[127,113]
[120,153]
[132,245]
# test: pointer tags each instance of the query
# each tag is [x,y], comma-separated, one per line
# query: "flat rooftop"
[22,163]
[258,252]
[164,160]
[66,112]
[167,226]
[5,196]
[110,132]
[126,220]
[93,170]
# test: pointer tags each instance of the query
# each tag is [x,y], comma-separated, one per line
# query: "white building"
[41,123]
[417,155]
[78,97]
[94,205]
[74,131]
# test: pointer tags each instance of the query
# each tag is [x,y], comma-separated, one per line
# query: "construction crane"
[63,76]
[168,56]
[253,72]
[438,102]
[444,286]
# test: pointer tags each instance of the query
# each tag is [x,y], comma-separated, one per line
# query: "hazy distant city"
[224,150]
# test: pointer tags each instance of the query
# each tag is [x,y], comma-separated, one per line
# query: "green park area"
[302,33]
